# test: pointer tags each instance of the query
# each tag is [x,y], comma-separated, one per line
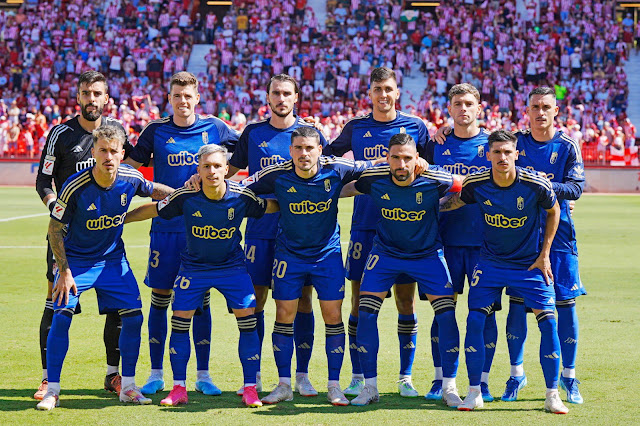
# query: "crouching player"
[213,258]
[511,199]
[407,241]
[93,203]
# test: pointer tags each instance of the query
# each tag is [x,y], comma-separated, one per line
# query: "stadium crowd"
[577,47]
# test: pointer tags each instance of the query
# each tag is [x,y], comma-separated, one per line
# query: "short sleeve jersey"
[308,207]
[561,159]
[511,215]
[95,215]
[212,226]
[369,140]
[461,156]
[408,227]
[174,150]
[262,145]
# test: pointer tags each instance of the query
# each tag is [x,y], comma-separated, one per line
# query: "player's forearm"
[551,226]
[272,206]
[570,190]
[144,212]
[349,190]
[161,191]
[49,200]
[56,240]
[132,163]
[232,171]
[44,187]
[451,202]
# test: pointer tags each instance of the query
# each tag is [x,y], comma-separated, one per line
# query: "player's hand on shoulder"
[193,182]
[315,121]
[543,263]
[542,174]
[441,134]
[381,160]
[421,166]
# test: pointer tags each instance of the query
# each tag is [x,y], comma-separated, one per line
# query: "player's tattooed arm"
[450,202]
[543,262]
[144,212]
[349,190]
[65,282]
[161,191]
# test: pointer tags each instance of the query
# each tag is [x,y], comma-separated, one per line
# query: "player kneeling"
[93,203]
[213,258]
[512,200]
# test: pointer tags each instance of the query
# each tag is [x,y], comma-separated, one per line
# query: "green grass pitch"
[609,243]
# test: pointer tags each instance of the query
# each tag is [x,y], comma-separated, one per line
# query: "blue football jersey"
[308,207]
[174,150]
[511,215]
[561,159]
[95,215]
[369,140]
[461,156]
[408,227]
[212,226]
[262,145]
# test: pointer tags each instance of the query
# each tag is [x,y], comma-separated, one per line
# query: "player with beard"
[67,151]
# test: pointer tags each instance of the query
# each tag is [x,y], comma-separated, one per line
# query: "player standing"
[213,258]
[368,137]
[307,247]
[407,241]
[93,203]
[512,200]
[173,143]
[554,153]
[463,152]
[67,151]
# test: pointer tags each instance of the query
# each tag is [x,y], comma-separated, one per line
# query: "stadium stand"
[578,47]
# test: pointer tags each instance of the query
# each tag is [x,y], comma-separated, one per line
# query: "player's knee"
[405,305]
[247,324]
[262,294]
[442,305]
[160,301]
[305,304]
[370,304]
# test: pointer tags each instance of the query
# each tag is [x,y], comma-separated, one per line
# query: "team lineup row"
[396,230]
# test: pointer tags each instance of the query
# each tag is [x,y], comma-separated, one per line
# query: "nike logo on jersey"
[488,203]
[263,144]
[77,149]
[367,135]
[385,197]
[446,152]
[171,140]
[292,189]
[91,207]
[197,214]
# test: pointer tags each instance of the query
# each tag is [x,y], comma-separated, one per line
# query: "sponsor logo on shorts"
[375,152]
[208,232]
[308,207]
[462,169]
[182,158]
[402,215]
[269,161]
[105,222]
[501,221]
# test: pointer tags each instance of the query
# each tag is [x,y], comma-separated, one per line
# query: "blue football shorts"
[291,273]
[164,258]
[259,254]
[461,262]
[360,246]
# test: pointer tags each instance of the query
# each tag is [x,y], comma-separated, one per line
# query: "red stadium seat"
[62,102]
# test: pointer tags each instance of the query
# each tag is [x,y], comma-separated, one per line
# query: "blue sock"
[282,338]
[549,348]
[353,345]
[473,344]
[248,347]
[444,309]
[179,347]
[568,331]
[57,344]
[407,337]
[490,340]
[435,345]
[202,334]
[516,330]
[130,340]
[303,328]
[157,324]
[334,346]
[260,331]
[367,334]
